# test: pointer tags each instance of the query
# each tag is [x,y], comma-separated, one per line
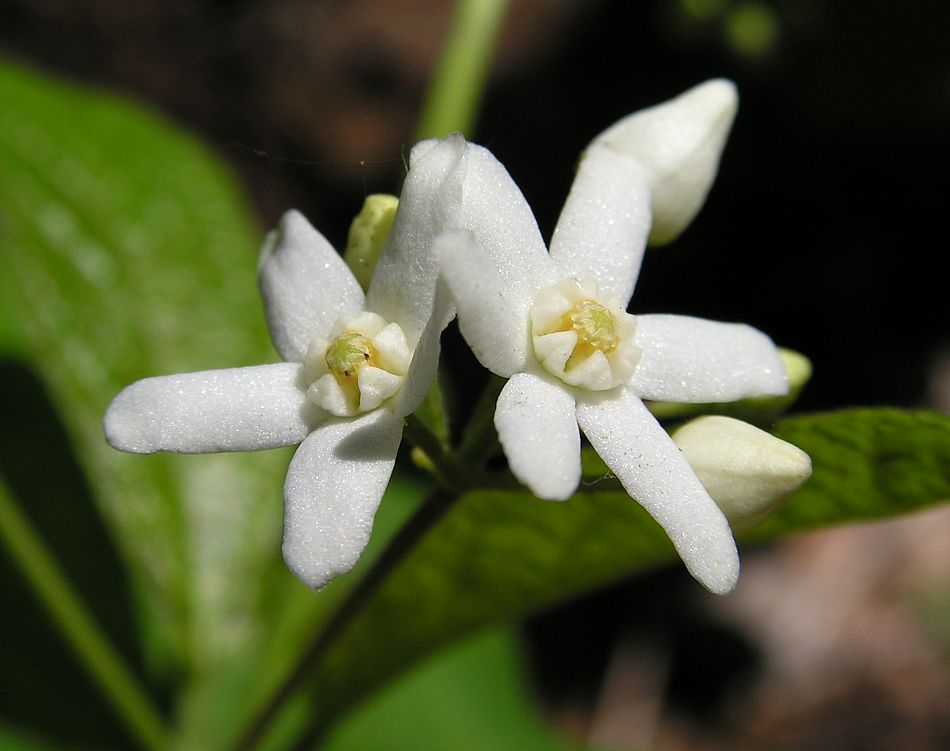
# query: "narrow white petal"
[687,359]
[654,472]
[679,144]
[493,209]
[492,315]
[603,228]
[305,284]
[404,282]
[422,368]
[538,431]
[334,485]
[240,409]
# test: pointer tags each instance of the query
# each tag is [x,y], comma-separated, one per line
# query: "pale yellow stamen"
[596,330]
[584,339]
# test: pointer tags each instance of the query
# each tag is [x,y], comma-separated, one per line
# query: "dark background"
[825,228]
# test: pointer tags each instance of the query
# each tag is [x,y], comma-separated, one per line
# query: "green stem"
[461,73]
[480,440]
[103,663]
[458,471]
[421,522]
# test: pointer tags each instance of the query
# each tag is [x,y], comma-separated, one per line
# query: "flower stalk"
[460,76]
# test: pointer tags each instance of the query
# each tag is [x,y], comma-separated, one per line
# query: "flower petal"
[404,282]
[538,431]
[687,359]
[334,485]
[305,284]
[239,409]
[654,472]
[492,314]
[679,143]
[603,228]
[493,209]
[422,368]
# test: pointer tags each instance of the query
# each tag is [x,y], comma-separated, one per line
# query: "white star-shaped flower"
[355,367]
[555,324]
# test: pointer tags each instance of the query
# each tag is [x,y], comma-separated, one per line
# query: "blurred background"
[824,228]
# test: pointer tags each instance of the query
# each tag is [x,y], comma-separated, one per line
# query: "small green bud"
[347,353]
[368,234]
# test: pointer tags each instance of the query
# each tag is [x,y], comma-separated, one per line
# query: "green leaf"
[868,464]
[470,698]
[128,252]
[498,555]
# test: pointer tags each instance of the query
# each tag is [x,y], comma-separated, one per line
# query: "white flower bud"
[678,143]
[747,471]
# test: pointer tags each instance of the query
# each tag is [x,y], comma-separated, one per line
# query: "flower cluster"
[554,323]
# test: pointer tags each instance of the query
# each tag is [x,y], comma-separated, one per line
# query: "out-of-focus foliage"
[469,699]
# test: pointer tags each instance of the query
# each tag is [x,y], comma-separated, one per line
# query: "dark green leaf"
[868,464]
[499,555]
[128,252]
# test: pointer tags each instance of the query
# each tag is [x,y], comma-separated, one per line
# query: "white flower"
[555,325]
[678,143]
[355,367]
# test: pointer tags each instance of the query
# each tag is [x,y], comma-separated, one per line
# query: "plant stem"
[119,686]
[458,470]
[421,522]
[451,105]
[461,73]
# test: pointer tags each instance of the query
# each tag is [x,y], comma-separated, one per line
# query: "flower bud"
[746,471]
[678,143]
[368,234]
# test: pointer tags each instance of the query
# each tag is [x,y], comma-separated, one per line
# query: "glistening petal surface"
[492,315]
[679,143]
[538,431]
[654,472]
[305,284]
[238,409]
[494,210]
[687,359]
[603,228]
[404,281]
[334,485]
[422,369]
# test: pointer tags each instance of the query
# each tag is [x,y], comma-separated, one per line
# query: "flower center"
[360,367]
[595,326]
[347,353]
[583,338]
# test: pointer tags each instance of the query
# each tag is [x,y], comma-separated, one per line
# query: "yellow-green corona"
[584,339]
[596,330]
[349,352]
[361,365]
